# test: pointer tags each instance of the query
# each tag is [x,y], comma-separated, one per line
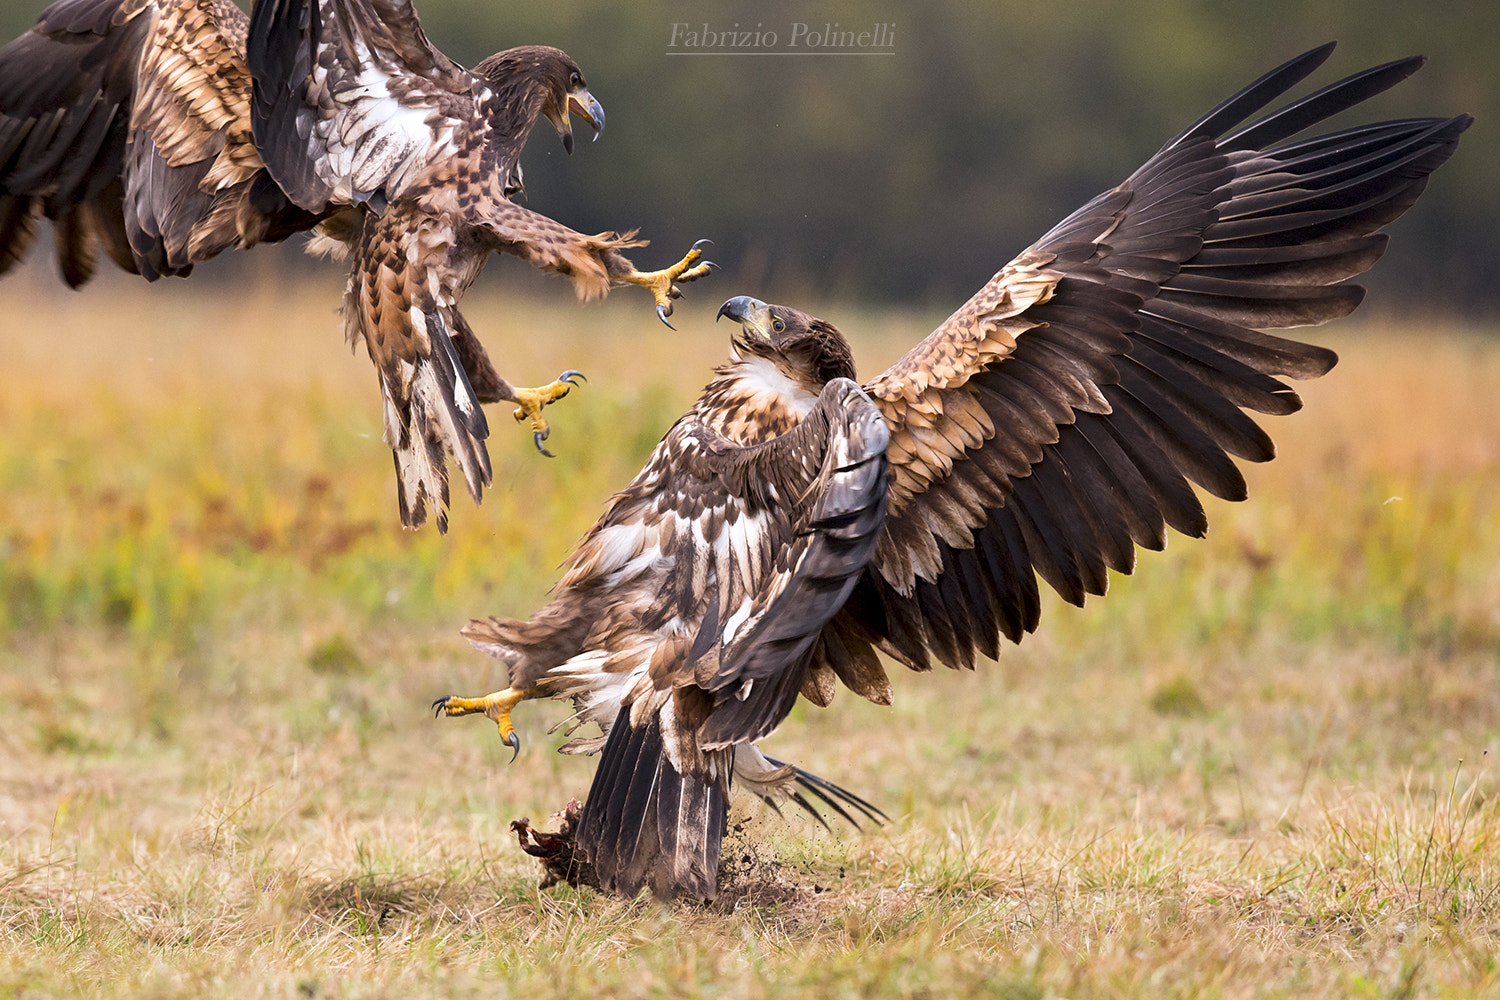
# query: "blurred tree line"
[911,176]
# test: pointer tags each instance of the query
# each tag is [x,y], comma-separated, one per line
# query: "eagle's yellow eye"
[777,325]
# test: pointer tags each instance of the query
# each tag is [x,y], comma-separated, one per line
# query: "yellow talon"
[663,284]
[529,404]
[496,706]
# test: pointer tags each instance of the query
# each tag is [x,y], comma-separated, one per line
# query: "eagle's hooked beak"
[581,103]
[752,314]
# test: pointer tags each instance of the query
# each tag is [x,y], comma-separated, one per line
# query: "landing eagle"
[797,522]
[165,132]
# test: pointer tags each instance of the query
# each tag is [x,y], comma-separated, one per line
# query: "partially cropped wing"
[352,102]
[66,89]
[1055,421]
[126,122]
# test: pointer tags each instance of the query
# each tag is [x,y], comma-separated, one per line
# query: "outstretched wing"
[126,123]
[1056,420]
[352,102]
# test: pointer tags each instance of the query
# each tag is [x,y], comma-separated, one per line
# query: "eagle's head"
[808,349]
[539,79]
[779,361]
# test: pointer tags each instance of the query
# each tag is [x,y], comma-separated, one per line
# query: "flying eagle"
[167,131]
[797,523]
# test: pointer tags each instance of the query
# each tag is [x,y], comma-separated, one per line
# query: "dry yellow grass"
[1260,767]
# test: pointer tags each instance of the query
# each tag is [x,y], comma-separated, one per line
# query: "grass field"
[1263,766]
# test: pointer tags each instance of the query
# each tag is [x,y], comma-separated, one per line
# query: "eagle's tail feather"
[836,797]
[435,411]
[644,824]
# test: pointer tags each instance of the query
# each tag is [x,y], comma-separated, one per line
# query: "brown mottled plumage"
[168,131]
[795,525]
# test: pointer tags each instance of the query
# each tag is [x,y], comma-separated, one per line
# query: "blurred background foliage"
[912,177]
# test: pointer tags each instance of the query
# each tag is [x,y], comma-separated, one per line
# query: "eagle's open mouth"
[582,104]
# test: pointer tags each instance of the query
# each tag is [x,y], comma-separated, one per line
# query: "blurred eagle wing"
[352,102]
[1054,422]
[126,122]
[195,90]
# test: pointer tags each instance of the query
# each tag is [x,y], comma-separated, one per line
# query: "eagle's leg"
[663,284]
[529,404]
[496,706]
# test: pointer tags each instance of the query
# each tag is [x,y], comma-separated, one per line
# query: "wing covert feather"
[763,665]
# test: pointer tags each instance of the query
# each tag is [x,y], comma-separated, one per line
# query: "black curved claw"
[538,437]
[439,705]
[514,742]
[661,314]
[569,375]
[703,243]
[711,265]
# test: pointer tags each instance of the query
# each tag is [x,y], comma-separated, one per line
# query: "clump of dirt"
[751,875]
